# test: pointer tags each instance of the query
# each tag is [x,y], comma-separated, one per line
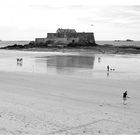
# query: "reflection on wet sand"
[120,67]
[69,63]
[107,73]
[19,64]
[62,63]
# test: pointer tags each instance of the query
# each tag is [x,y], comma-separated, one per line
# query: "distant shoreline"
[101,49]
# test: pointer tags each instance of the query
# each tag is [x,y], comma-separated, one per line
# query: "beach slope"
[53,104]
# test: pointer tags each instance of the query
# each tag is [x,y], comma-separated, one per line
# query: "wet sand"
[37,103]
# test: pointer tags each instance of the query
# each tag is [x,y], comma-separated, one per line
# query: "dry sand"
[53,104]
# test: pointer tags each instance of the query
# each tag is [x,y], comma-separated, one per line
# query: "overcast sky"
[108,19]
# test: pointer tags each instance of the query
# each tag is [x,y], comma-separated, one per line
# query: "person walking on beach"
[99,59]
[124,97]
[107,67]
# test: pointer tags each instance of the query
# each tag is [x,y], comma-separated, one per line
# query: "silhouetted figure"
[99,59]
[108,68]
[19,61]
[108,74]
[124,97]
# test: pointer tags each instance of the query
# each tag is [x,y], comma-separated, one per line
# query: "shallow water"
[120,43]
[6,43]
[92,66]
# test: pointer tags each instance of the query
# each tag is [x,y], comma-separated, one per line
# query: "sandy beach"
[38,103]
[70,68]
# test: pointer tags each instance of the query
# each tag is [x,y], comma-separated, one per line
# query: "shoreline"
[99,49]
[93,48]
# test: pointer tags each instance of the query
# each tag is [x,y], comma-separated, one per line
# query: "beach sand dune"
[53,104]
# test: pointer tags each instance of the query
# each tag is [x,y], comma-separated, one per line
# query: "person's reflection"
[107,73]
[19,64]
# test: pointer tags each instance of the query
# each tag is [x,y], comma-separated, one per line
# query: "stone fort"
[66,36]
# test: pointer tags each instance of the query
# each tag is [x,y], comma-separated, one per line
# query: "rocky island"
[70,40]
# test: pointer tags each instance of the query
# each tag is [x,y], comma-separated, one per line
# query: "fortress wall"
[59,40]
[62,35]
[64,40]
[68,37]
[55,35]
[86,37]
[73,39]
[51,35]
[72,35]
[40,40]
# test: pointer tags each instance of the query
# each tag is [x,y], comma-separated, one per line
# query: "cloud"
[57,7]
[40,18]
[121,15]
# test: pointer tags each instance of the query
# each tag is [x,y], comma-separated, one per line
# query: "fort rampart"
[66,36]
